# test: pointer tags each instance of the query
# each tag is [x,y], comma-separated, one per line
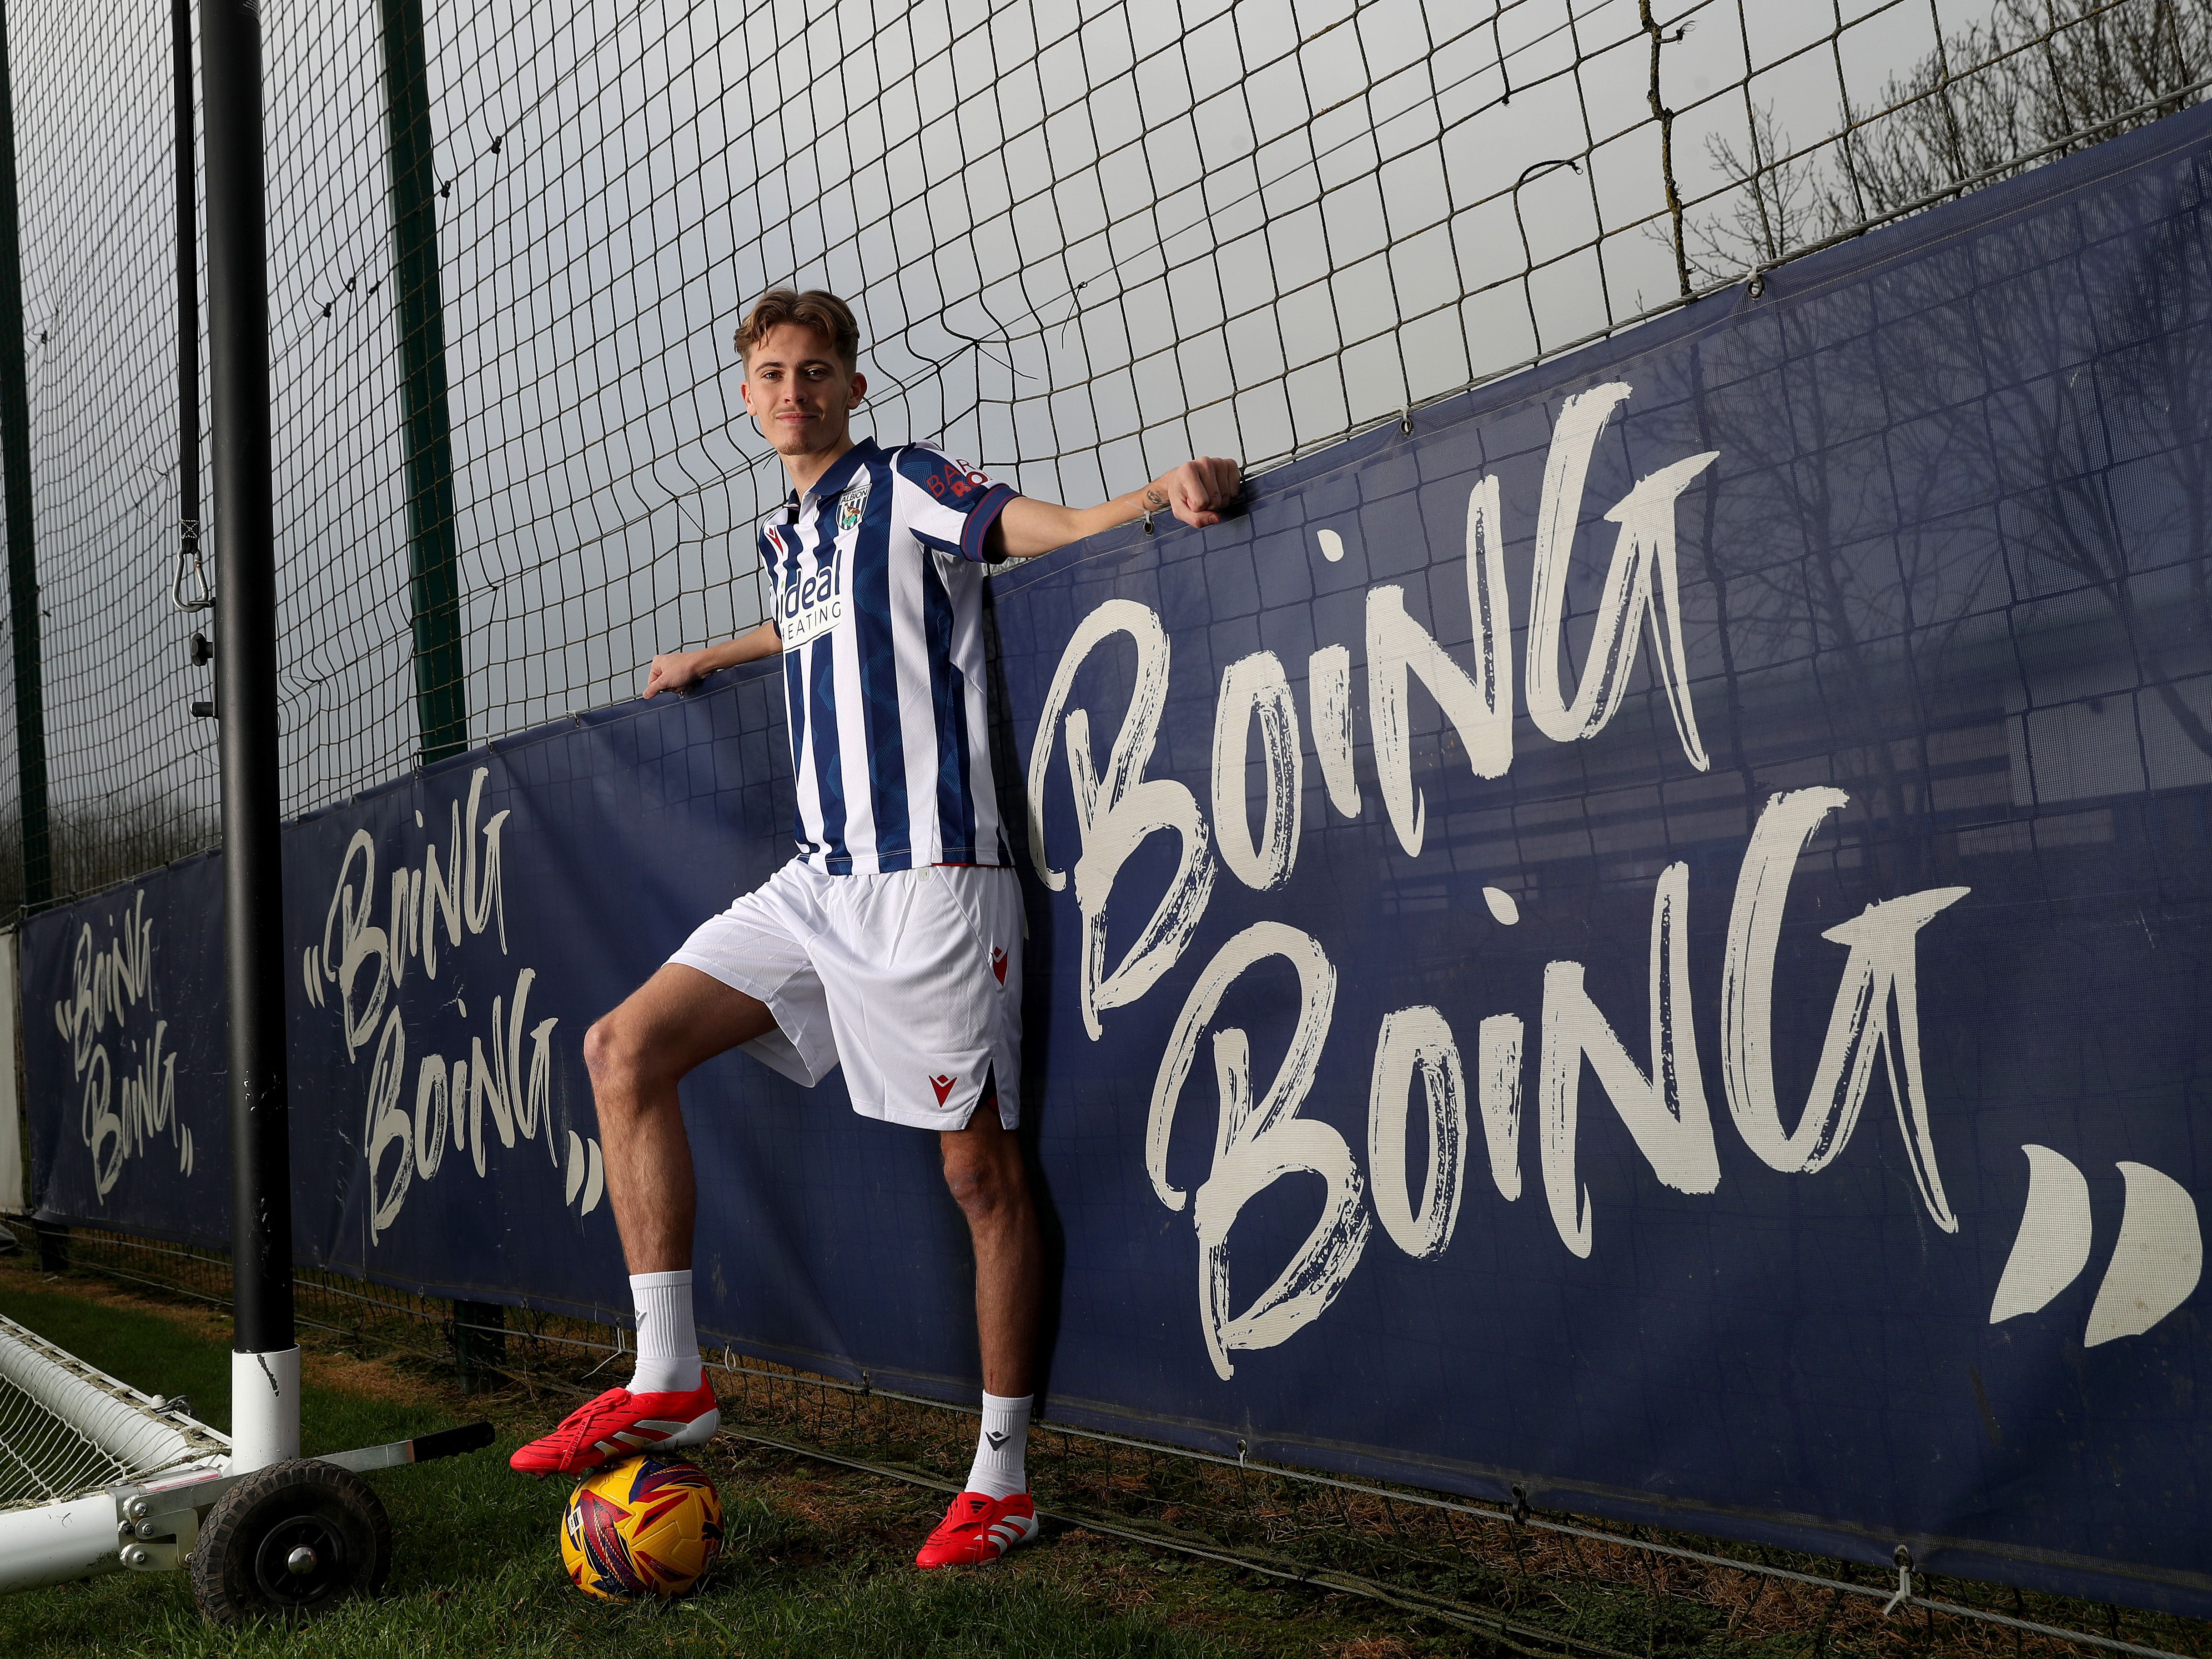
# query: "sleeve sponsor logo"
[955,481]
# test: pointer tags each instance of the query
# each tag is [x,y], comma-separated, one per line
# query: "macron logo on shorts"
[943,1086]
[998,964]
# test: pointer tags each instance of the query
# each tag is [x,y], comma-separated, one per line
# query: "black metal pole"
[246,688]
[15,480]
[188,290]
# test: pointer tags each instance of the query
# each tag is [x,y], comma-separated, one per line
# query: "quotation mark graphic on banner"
[587,1173]
[2156,1265]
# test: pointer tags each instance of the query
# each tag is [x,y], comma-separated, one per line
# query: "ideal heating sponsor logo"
[811,602]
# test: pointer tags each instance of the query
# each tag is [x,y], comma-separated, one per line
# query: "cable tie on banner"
[1405,419]
[1240,1454]
[1518,1512]
[1148,522]
[1903,1557]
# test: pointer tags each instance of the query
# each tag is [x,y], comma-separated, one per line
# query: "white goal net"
[67,1429]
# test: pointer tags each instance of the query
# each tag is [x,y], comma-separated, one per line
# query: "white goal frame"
[106,1457]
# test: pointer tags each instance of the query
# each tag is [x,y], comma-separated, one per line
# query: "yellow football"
[646,1526]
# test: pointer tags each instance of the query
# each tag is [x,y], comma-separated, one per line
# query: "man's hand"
[672,671]
[1196,492]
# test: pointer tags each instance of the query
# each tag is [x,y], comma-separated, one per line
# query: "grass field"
[818,1559]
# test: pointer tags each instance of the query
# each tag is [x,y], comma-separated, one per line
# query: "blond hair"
[823,313]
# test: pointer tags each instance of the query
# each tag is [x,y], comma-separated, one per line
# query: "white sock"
[667,1341]
[998,1471]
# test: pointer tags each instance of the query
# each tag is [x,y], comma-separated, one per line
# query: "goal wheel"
[290,1543]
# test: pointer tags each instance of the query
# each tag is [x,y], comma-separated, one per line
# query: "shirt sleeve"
[950,505]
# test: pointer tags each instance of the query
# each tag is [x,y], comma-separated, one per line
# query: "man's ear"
[860,391]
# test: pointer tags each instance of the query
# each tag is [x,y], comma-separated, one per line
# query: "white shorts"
[911,981]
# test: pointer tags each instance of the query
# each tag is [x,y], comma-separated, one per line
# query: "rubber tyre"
[239,1566]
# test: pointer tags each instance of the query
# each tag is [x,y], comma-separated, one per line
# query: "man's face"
[802,397]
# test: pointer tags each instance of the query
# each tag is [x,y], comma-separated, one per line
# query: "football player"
[891,945]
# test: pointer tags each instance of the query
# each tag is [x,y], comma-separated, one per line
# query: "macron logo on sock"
[996,1439]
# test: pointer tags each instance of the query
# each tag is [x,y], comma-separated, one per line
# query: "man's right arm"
[672,671]
[1198,492]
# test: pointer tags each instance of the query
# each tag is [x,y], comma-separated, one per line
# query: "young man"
[892,944]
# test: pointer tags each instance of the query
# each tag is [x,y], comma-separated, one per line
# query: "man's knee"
[986,1180]
[616,1054]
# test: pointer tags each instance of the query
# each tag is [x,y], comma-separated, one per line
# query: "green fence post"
[432,560]
[15,480]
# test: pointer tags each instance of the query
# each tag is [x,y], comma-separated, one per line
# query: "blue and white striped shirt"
[878,592]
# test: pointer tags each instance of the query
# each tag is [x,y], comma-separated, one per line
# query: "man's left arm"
[1198,492]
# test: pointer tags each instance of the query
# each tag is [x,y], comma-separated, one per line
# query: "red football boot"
[977,1529]
[619,1424]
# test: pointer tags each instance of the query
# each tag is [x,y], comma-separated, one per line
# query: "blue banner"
[1639,940]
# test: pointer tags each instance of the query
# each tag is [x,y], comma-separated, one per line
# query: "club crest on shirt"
[852,504]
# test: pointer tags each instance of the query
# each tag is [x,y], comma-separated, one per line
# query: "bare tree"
[2040,79]
[1777,203]
[2078,392]
[107,839]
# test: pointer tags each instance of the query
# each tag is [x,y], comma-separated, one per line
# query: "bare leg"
[983,1167]
[636,1055]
